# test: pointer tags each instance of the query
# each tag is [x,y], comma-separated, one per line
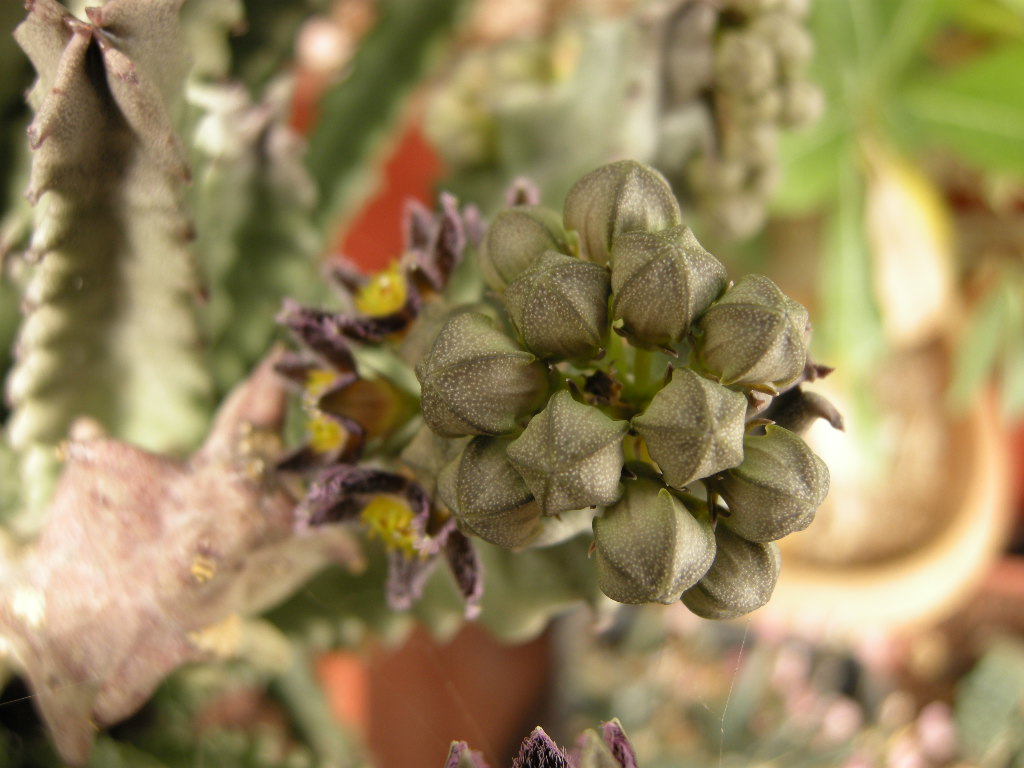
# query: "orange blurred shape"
[374,236]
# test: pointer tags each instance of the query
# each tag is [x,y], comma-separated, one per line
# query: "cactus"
[111,301]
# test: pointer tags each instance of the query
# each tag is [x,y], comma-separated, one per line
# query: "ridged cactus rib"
[254,201]
[110,330]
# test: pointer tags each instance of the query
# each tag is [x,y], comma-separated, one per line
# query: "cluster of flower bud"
[759,87]
[624,374]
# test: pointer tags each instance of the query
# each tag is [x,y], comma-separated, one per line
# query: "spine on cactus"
[110,328]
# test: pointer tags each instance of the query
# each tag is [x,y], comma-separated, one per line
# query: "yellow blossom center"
[384,294]
[391,520]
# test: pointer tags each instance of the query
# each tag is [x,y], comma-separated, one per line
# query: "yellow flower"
[385,294]
[391,520]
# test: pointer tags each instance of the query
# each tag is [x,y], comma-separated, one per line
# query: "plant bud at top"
[649,547]
[570,455]
[777,488]
[616,198]
[516,238]
[661,282]
[476,380]
[754,336]
[488,496]
[741,579]
[560,306]
[693,428]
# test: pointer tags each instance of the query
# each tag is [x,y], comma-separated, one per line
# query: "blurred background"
[868,155]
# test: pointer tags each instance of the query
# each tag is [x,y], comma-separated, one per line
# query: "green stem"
[642,359]
[304,697]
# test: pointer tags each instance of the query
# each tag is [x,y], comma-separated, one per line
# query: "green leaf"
[976,110]
[810,163]
[989,706]
[849,326]
[355,115]
[979,349]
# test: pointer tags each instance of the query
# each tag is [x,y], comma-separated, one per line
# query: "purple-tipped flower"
[539,751]
[461,756]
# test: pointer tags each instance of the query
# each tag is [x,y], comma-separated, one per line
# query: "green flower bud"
[620,197]
[476,380]
[777,488]
[570,455]
[661,282]
[741,579]
[516,239]
[650,548]
[693,428]
[487,495]
[560,306]
[754,336]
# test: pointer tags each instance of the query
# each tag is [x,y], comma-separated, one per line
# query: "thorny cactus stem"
[110,328]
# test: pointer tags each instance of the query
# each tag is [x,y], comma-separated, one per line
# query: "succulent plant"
[650,548]
[607,748]
[516,238]
[643,265]
[754,336]
[741,578]
[575,415]
[626,196]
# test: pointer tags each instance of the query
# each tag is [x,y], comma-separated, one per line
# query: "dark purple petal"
[618,743]
[406,578]
[473,221]
[376,328]
[539,751]
[320,331]
[296,367]
[339,494]
[417,225]
[467,569]
[461,756]
[346,276]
